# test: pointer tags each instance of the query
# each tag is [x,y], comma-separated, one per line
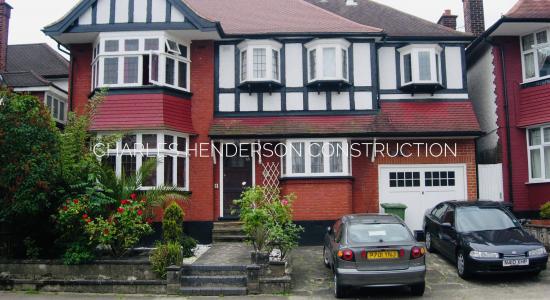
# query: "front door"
[237,175]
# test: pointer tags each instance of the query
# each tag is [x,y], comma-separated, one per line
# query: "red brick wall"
[5,14]
[474,18]
[80,79]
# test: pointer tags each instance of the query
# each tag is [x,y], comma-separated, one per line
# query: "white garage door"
[421,187]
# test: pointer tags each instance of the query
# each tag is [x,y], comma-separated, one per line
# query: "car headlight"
[482,254]
[537,252]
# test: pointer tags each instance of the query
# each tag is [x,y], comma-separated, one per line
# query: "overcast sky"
[29,16]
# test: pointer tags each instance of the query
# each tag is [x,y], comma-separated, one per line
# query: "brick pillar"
[474,19]
[5,13]
[448,19]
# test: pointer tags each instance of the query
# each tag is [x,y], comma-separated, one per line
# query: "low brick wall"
[103,276]
[540,232]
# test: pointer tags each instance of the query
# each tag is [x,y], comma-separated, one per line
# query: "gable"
[120,15]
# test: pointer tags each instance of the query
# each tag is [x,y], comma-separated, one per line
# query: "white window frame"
[287,160]
[435,62]
[268,46]
[339,46]
[99,56]
[540,148]
[62,101]
[533,50]
[154,153]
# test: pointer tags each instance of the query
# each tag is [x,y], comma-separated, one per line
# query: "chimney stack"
[474,18]
[351,3]
[5,14]
[448,19]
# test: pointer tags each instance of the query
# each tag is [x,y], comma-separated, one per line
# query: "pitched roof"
[394,22]
[239,17]
[23,79]
[530,9]
[39,58]
[395,118]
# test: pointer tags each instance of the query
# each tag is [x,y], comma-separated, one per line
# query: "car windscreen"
[378,233]
[469,219]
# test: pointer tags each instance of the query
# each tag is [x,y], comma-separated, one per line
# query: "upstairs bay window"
[420,68]
[327,60]
[536,55]
[259,63]
[316,158]
[137,60]
[538,141]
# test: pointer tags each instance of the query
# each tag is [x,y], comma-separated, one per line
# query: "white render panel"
[294,101]
[387,68]
[176,15]
[158,13]
[363,100]
[272,102]
[227,102]
[227,66]
[103,11]
[140,11]
[317,101]
[423,96]
[453,61]
[294,72]
[86,17]
[362,65]
[249,102]
[340,101]
[121,11]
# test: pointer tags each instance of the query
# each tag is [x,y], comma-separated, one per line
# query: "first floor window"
[316,158]
[57,107]
[167,149]
[407,68]
[420,64]
[328,60]
[538,140]
[536,55]
[312,64]
[259,60]
[259,63]
[131,68]
[110,67]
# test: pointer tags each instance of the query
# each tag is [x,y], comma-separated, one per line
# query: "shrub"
[165,255]
[187,245]
[31,250]
[78,253]
[545,211]
[172,224]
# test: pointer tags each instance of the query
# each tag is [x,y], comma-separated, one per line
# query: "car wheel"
[326,261]
[429,242]
[418,289]
[338,288]
[461,266]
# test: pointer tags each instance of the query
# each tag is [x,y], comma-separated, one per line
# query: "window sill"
[260,86]
[421,88]
[537,182]
[535,82]
[146,89]
[337,177]
[336,85]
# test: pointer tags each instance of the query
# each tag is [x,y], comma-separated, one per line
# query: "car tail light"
[346,254]
[417,252]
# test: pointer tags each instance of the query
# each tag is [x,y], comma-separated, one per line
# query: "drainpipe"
[71,75]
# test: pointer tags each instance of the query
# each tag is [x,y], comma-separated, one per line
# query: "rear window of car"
[378,233]
[471,219]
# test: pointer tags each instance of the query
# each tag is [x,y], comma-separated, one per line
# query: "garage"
[421,187]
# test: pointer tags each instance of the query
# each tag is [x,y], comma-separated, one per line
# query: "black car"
[482,237]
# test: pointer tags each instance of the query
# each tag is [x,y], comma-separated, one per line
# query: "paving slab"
[226,254]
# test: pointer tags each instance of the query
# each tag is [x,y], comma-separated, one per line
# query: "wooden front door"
[237,176]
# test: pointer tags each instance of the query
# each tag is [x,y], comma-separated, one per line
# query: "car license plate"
[382,255]
[515,262]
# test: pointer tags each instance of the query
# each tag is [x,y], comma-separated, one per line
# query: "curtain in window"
[154,67]
[336,163]
[345,64]
[275,64]
[534,137]
[110,72]
[536,164]
[408,67]
[329,62]
[547,162]
[529,60]
[424,65]
[317,161]
[170,71]
[297,152]
[312,64]
[131,69]
[244,66]
[544,61]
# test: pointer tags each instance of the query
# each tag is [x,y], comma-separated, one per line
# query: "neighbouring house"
[280,74]
[36,69]
[509,84]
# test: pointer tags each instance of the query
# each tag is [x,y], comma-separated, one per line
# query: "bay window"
[168,148]
[57,106]
[420,64]
[133,60]
[260,61]
[316,158]
[328,60]
[535,49]
[538,141]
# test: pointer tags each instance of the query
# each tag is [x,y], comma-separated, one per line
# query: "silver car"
[374,250]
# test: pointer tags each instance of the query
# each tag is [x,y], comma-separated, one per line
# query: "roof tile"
[530,9]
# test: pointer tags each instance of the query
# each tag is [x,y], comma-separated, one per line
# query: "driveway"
[312,279]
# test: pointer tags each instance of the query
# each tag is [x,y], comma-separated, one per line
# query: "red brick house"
[36,69]
[508,76]
[261,73]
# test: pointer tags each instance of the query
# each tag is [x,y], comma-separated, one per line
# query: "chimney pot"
[448,19]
